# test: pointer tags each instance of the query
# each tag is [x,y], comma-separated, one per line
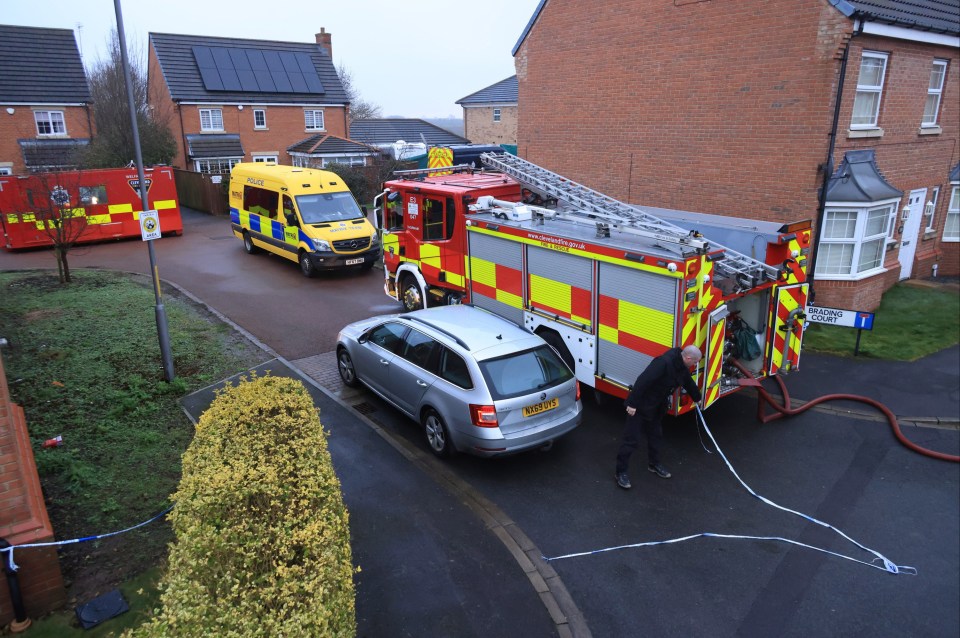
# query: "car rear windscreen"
[524,372]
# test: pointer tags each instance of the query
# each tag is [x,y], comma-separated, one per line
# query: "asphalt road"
[841,469]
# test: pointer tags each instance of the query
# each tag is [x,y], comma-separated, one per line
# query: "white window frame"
[55,120]
[496,115]
[930,209]
[223,164]
[6,170]
[951,227]
[263,115]
[856,242]
[935,94]
[869,91]
[313,120]
[214,117]
[266,158]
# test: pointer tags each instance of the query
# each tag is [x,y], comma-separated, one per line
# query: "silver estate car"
[476,382]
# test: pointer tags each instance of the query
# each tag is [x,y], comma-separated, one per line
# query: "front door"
[911,232]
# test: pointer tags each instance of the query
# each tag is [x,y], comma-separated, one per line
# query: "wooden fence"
[200,191]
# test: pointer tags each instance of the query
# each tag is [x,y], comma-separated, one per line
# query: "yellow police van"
[306,215]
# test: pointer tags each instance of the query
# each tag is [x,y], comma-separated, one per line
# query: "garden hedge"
[262,536]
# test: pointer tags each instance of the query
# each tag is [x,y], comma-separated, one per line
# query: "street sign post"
[848,318]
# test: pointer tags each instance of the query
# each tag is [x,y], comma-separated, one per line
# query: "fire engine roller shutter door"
[496,275]
[636,321]
[561,284]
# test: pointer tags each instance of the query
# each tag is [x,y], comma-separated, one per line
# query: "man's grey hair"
[693,352]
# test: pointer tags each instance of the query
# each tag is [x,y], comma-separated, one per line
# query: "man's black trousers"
[652,429]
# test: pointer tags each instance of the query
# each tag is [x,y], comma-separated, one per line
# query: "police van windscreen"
[328,207]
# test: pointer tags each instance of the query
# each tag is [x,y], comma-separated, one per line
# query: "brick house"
[230,100]
[490,114]
[402,137]
[844,112]
[45,103]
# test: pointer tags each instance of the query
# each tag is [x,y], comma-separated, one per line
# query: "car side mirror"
[365,337]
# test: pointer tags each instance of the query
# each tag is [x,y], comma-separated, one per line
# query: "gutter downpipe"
[20,619]
[828,165]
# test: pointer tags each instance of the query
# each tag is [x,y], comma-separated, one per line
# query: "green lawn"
[84,363]
[912,322]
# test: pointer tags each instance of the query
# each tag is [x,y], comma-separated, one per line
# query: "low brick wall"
[23,517]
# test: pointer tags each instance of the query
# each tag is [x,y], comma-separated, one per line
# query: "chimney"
[323,39]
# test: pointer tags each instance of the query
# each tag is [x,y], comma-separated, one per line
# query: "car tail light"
[483,416]
[578,390]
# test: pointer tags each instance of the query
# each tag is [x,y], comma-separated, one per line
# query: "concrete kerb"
[567,617]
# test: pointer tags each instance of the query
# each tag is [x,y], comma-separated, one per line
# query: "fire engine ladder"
[745,271]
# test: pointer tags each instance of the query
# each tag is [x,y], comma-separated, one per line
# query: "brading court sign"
[838,317]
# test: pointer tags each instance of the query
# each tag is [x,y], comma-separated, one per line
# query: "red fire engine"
[609,285]
[100,204]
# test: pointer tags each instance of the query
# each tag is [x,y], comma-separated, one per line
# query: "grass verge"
[84,363]
[912,322]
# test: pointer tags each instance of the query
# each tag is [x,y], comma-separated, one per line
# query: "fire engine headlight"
[321,245]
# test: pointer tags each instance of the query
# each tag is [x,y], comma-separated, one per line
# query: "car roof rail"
[455,338]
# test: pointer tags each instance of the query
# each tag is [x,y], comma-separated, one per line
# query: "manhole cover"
[364,408]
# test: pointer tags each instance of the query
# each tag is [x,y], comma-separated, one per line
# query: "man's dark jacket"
[657,382]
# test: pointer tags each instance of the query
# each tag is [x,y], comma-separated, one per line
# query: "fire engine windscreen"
[321,208]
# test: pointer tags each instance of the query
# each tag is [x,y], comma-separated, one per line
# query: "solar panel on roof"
[256,70]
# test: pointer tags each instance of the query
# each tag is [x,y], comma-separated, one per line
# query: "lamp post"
[162,331]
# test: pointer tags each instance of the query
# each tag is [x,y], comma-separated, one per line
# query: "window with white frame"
[931,110]
[265,158]
[496,115]
[951,229]
[930,209]
[211,119]
[259,118]
[50,122]
[313,120]
[216,164]
[6,170]
[853,241]
[866,104]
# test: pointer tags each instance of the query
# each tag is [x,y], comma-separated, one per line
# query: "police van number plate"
[543,406]
[354,262]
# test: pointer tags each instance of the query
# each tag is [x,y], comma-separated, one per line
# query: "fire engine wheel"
[348,373]
[306,266]
[438,437]
[410,295]
[248,244]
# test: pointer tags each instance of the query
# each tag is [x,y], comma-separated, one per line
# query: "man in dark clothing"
[647,403]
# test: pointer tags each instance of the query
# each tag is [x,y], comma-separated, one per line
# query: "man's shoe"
[659,470]
[623,480]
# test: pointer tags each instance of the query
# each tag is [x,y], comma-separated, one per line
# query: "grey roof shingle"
[44,155]
[389,130]
[942,16]
[182,75]
[503,92]
[323,143]
[41,66]
[218,145]
[859,180]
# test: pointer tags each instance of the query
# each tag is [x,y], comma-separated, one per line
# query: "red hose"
[786,410]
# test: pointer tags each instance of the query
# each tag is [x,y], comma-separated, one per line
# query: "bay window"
[853,241]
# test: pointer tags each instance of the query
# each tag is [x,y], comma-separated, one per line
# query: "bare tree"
[360,109]
[57,201]
[113,146]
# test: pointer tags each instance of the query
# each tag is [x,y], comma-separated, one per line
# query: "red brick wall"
[23,517]
[21,125]
[285,124]
[721,107]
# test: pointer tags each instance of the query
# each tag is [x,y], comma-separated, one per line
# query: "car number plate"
[543,406]
[354,262]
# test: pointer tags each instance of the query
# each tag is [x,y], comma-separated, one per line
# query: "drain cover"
[364,408]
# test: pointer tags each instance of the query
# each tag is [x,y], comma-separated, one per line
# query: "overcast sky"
[413,58]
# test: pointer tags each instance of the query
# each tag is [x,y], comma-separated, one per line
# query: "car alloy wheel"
[348,374]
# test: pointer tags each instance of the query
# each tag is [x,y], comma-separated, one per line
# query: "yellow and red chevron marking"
[715,351]
[439,157]
[623,323]
[561,299]
[788,299]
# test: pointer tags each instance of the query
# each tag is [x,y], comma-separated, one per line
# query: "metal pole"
[856,347]
[161,314]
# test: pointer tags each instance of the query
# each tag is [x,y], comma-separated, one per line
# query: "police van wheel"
[410,295]
[306,266]
[248,245]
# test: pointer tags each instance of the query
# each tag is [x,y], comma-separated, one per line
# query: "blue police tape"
[13,566]
[887,565]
